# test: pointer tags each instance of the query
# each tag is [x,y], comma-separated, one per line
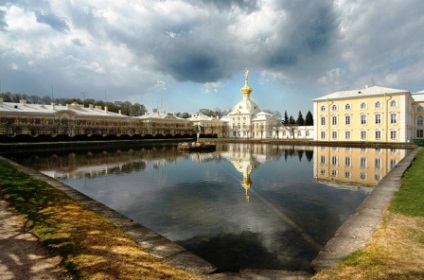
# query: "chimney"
[90,106]
[106,110]
[22,101]
[52,104]
[119,112]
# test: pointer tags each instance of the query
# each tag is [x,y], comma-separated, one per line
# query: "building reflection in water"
[340,167]
[358,166]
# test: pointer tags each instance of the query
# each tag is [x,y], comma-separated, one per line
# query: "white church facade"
[246,120]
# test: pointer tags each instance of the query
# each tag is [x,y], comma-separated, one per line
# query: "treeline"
[300,121]
[126,107]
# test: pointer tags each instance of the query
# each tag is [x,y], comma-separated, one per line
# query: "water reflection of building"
[364,166]
[246,158]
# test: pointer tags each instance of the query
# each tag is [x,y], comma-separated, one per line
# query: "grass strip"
[410,199]
[90,246]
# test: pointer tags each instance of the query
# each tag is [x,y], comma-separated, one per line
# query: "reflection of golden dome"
[246,183]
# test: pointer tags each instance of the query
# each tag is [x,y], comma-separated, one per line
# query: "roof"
[161,116]
[418,96]
[262,116]
[366,92]
[40,109]
[245,106]
[203,118]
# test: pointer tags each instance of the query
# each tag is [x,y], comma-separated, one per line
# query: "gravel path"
[21,254]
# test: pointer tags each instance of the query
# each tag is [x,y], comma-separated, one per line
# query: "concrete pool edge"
[357,231]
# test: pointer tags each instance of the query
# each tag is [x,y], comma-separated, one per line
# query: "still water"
[242,206]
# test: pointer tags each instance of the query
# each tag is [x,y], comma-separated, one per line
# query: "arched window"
[419,120]
[363,105]
[420,109]
[393,103]
[334,108]
[377,105]
[322,108]
[347,106]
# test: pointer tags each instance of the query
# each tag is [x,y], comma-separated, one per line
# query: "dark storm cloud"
[309,28]
[52,20]
[198,67]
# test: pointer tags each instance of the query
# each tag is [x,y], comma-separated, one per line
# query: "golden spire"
[246,90]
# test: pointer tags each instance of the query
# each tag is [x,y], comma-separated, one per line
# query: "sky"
[185,55]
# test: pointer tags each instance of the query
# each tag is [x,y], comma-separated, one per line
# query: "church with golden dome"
[246,120]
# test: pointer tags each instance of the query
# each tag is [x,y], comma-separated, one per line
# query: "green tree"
[300,121]
[309,120]
[286,118]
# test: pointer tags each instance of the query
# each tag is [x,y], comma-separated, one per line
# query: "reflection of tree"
[300,154]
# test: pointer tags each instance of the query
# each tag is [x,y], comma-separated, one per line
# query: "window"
[322,171]
[378,119]
[393,163]
[334,160]
[377,105]
[363,119]
[334,135]
[334,173]
[377,177]
[299,133]
[348,175]
[393,134]
[322,108]
[334,120]
[322,159]
[378,135]
[334,108]
[322,120]
[363,162]
[377,163]
[322,134]
[307,133]
[363,135]
[393,103]
[420,133]
[393,118]
[347,106]
[347,120]
[363,105]
[420,109]
[419,120]
[348,161]
[347,135]
[363,176]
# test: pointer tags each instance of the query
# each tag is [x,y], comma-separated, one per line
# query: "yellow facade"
[375,114]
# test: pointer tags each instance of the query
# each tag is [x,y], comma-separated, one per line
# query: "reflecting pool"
[242,206]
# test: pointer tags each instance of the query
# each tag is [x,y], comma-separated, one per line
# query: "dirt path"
[21,254]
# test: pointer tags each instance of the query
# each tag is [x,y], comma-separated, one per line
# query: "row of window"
[363,162]
[363,105]
[364,119]
[363,135]
[348,175]
[299,133]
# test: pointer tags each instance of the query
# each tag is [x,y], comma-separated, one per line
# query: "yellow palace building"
[372,114]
